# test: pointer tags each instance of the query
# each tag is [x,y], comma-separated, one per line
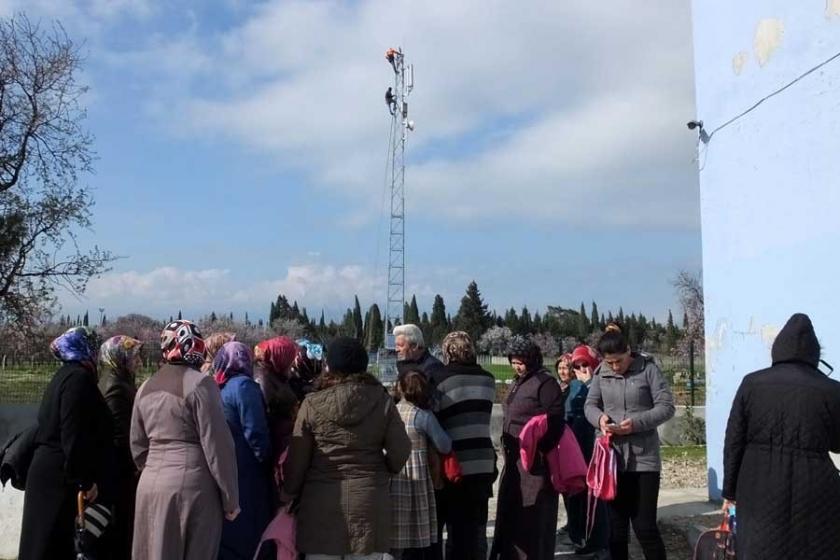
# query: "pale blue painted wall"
[770,189]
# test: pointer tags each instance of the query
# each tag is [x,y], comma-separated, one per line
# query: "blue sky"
[242,147]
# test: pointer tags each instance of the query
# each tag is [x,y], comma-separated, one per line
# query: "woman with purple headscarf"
[245,414]
[73,450]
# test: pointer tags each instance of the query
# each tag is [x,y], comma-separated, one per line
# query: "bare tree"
[43,151]
[689,288]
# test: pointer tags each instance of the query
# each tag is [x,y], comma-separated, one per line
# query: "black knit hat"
[527,350]
[797,342]
[346,355]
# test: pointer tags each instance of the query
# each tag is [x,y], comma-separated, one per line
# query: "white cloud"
[166,288]
[572,104]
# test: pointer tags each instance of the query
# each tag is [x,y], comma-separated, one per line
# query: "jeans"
[638,493]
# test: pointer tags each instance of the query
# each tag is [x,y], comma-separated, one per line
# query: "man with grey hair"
[412,354]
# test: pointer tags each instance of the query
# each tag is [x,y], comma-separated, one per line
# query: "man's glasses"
[579,366]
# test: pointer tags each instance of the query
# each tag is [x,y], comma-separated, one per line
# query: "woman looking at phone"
[629,398]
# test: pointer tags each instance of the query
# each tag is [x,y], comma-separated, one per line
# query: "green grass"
[688,452]
[22,385]
[501,372]
[25,384]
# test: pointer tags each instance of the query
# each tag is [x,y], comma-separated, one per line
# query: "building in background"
[769,185]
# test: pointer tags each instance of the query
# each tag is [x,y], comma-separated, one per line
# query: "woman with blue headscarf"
[73,450]
[245,414]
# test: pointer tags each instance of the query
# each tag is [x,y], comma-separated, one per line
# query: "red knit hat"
[585,354]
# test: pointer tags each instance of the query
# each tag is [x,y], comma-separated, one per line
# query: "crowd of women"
[223,439]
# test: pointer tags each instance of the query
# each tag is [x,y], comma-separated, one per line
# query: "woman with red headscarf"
[274,358]
[583,361]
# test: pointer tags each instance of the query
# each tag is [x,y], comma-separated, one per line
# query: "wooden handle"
[80,503]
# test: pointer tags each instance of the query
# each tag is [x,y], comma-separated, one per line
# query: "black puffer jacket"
[783,423]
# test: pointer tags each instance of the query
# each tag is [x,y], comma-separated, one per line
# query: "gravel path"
[684,473]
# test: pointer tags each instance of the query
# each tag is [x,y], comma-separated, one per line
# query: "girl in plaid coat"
[414,527]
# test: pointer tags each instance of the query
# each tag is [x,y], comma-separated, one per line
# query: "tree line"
[553,328]
[473,315]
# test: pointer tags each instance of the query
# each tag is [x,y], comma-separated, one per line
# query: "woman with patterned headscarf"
[182,445]
[119,360]
[73,450]
[527,507]
[274,359]
[245,415]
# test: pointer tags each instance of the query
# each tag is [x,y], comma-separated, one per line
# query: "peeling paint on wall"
[718,338]
[769,334]
[832,8]
[768,37]
[740,59]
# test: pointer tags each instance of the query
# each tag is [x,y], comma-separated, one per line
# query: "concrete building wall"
[769,183]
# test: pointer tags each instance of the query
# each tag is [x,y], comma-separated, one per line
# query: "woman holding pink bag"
[629,397]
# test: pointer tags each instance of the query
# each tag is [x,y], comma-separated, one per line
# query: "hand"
[624,428]
[583,374]
[90,495]
[231,515]
[726,505]
[602,423]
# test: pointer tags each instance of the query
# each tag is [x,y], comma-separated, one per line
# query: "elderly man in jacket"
[412,353]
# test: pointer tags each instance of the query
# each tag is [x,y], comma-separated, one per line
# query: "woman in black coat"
[73,449]
[119,360]
[784,421]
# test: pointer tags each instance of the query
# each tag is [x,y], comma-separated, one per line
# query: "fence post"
[691,370]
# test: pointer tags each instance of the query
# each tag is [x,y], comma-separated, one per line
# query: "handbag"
[601,478]
[716,544]
[15,457]
[452,468]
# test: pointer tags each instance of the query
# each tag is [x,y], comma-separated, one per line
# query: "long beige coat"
[347,442]
[183,446]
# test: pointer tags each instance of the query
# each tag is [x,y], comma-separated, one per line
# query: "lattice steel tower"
[396,98]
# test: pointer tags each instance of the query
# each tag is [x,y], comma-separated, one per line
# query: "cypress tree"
[472,316]
[358,323]
[437,321]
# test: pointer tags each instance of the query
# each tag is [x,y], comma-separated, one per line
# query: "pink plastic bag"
[281,530]
[601,478]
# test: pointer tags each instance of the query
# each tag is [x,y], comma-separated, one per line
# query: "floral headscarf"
[213,344]
[117,353]
[457,347]
[232,359]
[277,354]
[76,345]
[181,342]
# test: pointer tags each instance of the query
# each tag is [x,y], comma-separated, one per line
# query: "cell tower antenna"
[396,98]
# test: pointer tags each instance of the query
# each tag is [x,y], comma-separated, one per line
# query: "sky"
[242,146]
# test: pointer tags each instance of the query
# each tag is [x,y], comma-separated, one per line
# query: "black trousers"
[462,508]
[638,493]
